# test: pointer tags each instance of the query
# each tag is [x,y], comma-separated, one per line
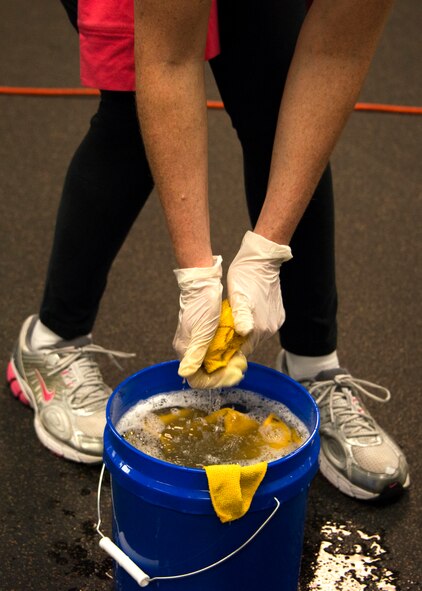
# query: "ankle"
[42,337]
[301,367]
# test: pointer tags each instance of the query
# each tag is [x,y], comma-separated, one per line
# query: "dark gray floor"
[47,504]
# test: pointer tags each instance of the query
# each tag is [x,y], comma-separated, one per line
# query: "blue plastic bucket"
[163,518]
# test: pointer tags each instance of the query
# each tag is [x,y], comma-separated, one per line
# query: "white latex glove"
[254,289]
[199,315]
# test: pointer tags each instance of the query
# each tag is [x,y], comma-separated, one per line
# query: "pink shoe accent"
[48,395]
[15,386]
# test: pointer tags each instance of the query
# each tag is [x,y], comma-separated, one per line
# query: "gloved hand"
[199,315]
[254,289]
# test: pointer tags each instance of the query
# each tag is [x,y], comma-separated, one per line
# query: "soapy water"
[196,428]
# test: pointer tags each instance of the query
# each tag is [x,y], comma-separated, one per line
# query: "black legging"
[109,181]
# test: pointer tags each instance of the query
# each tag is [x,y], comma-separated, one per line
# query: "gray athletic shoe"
[357,456]
[64,386]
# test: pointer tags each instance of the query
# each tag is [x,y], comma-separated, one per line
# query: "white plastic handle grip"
[125,562]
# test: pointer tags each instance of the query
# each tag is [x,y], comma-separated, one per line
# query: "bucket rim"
[186,469]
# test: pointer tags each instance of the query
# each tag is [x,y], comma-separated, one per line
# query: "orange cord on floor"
[29,91]
[63,92]
[380,108]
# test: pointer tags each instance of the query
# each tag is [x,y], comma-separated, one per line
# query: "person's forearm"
[331,60]
[169,47]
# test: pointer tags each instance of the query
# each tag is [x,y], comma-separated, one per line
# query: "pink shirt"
[107,43]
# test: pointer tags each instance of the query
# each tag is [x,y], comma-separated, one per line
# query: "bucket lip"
[132,449]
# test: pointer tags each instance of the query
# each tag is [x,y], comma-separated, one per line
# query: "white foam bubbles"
[143,428]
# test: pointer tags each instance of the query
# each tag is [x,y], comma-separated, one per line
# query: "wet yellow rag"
[232,488]
[226,341]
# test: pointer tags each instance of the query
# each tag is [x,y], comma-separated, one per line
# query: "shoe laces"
[89,391]
[341,395]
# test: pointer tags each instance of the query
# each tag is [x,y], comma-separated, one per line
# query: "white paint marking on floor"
[349,559]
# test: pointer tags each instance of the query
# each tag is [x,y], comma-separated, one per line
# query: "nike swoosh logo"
[48,395]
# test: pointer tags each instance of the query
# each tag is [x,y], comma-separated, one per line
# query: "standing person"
[331,58]
[109,181]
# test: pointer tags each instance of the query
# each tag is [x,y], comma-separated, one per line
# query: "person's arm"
[332,56]
[170,37]
[331,59]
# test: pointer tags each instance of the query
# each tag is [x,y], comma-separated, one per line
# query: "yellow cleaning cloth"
[235,422]
[232,488]
[226,341]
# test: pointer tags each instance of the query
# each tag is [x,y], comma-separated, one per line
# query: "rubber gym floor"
[48,505]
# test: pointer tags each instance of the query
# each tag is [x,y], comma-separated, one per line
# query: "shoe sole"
[22,392]
[346,487]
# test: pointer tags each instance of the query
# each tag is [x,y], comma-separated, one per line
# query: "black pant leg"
[309,283]
[106,186]
[257,42]
[71,7]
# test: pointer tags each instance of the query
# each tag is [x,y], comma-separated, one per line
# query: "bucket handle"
[137,573]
